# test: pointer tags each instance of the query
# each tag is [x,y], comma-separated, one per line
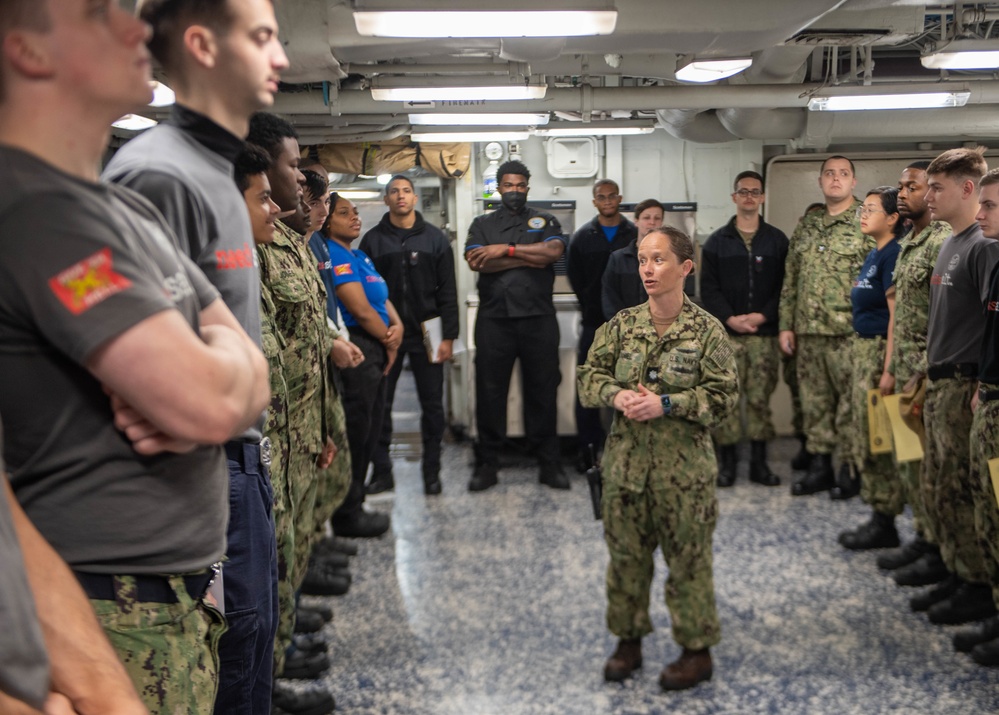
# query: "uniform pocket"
[628,368]
[680,367]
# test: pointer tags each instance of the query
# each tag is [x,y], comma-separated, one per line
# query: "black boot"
[987,630]
[847,483]
[728,460]
[970,602]
[819,476]
[759,470]
[802,459]
[905,555]
[878,533]
[431,480]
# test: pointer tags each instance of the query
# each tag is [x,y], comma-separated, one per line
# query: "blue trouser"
[246,652]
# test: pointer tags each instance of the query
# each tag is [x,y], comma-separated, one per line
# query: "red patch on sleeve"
[344,269]
[87,283]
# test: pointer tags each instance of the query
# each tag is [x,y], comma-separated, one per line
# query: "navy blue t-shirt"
[877,276]
[610,232]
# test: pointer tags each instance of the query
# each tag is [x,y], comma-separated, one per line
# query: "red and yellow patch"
[87,283]
[344,269]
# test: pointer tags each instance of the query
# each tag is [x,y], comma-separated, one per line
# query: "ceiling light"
[163,96]
[962,55]
[892,100]
[712,70]
[589,129]
[134,122]
[383,179]
[358,194]
[440,94]
[511,119]
[517,18]
[457,135]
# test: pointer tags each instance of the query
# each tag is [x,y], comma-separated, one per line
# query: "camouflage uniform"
[945,480]
[287,270]
[757,359]
[985,446]
[789,370]
[659,476]
[825,256]
[152,638]
[913,269]
[879,484]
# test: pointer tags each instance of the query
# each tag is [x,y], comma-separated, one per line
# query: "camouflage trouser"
[284,533]
[946,477]
[170,650]
[681,522]
[757,359]
[908,475]
[824,378]
[335,481]
[879,485]
[789,370]
[985,446]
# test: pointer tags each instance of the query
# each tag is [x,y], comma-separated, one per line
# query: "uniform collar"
[681,329]
[206,132]
[285,235]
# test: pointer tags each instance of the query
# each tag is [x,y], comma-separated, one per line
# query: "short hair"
[643,206]
[853,169]
[315,183]
[747,175]
[991,178]
[889,204]
[604,182]
[269,131]
[517,168]
[22,15]
[679,242]
[251,161]
[169,19]
[399,177]
[960,164]
[921,165]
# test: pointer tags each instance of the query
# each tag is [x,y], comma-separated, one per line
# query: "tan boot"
[627,658]
[691,668]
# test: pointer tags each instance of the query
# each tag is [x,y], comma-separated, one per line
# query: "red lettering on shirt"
[87,283]
[936,280]
[993,305]
[234,259]
[344,269]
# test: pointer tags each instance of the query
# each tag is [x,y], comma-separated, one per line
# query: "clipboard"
[878,426]
[433,335]
[908,447]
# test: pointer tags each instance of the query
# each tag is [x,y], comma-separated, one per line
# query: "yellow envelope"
[908,448]
[878,426]
[994,473]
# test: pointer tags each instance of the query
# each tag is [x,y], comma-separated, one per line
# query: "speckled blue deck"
[492,603]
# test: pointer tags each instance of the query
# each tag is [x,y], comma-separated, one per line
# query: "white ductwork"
[929,125]
[694,125]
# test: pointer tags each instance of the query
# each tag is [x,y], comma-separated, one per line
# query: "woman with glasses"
[873,298]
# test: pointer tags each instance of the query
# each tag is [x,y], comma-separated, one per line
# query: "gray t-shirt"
[958,293]
[81,263]
[24,667]
[193,188]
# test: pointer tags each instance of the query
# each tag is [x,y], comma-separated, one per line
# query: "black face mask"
[514,200]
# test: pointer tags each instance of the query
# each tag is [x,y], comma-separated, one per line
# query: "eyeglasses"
[602,198]
[864,212]
[746,193]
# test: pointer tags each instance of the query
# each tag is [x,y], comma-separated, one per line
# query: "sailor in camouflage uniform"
[916,563]
[668,369]
[827,251]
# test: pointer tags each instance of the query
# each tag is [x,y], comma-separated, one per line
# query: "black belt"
[869,337]
[149,589]
[952,369]
[985,395]
[250,454]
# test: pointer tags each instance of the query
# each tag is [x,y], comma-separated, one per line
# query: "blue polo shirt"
[877,276]
[349,266]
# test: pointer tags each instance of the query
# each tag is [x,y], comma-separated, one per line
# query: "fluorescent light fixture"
[962,55]
[898,100]
[471,120]
[517,18]
[457,135]
[589,129]
[712,70]
[163,96]
[444,93]
[134,122]
[383,179]
[359,194]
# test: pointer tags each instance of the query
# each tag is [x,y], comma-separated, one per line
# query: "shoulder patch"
[537,222]
[344,269]
[85,284]
[722,354]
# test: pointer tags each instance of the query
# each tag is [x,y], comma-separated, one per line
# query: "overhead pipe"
[521,69]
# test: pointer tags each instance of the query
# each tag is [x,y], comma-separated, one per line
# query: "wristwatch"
[667,405]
